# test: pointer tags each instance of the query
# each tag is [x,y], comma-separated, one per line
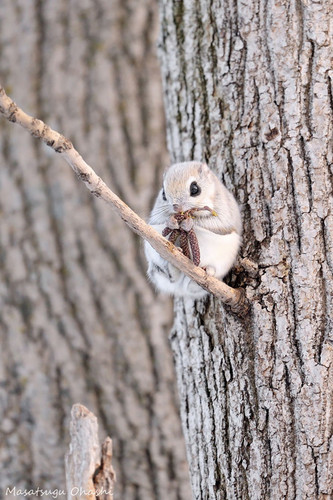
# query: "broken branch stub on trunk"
[235,298]
[89,471]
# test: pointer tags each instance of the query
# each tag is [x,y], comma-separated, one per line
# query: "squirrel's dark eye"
[163,195]
[195,190]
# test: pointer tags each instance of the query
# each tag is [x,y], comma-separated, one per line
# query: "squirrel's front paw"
[172,222]
[210,270]
[187,224]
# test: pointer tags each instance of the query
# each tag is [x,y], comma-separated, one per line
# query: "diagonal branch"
[235,298]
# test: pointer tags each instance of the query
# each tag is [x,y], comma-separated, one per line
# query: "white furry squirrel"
[216,223]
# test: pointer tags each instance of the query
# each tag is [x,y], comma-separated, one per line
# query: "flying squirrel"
[215,219]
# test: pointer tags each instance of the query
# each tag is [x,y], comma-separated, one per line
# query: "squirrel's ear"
[166,170]
[203,169]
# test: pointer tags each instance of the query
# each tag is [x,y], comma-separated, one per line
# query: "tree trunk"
[248,87]
[79,322]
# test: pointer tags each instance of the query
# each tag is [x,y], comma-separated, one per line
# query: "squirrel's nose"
[176,207]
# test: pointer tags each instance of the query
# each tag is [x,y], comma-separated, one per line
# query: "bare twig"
[89,472]
[235,298]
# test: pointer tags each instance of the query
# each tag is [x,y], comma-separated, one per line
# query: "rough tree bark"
[248,87]
[78,320]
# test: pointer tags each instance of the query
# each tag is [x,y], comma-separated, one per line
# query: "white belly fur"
[217,251]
